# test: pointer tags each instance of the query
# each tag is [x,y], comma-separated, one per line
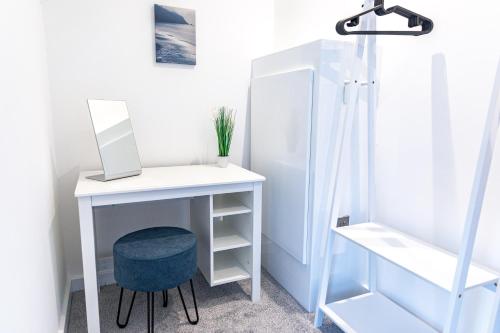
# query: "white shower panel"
[284,101]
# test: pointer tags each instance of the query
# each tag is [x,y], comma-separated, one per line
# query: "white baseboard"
[66,306]
[105,275]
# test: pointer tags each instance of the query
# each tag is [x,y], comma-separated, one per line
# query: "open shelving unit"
[227,257]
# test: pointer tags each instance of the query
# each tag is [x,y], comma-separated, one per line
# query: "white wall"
[33,276]
[105,49]
[433,100]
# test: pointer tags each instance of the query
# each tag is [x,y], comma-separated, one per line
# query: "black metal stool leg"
[120,307]
[192,322]
[165,298]
[151,312]
[148,315]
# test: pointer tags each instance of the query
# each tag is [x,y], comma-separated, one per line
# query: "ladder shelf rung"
[373,312]
[431,263]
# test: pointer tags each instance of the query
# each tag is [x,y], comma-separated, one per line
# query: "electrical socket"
[343,221]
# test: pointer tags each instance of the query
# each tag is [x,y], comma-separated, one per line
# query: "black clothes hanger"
[414,20]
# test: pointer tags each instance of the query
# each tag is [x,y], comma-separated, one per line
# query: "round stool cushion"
[154,259]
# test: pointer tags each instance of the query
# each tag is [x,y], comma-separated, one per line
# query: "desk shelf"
[227,237]
[230,204]
[228,268]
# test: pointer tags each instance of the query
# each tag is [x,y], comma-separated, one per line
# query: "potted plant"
[224,126]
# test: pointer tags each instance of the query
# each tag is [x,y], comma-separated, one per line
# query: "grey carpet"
[225,308]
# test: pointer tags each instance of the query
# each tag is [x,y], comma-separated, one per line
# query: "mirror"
[115,139]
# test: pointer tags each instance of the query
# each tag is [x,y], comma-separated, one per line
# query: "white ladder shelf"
[373,312]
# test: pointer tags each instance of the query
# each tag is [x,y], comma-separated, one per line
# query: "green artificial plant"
[224,126]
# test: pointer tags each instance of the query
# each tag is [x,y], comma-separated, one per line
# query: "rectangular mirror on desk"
[115,139]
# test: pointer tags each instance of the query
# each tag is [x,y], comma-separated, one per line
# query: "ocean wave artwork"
[175,35]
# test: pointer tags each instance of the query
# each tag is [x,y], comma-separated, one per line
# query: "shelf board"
[227,269]
[229,206]
[373,313]
[226,237]
[433,264]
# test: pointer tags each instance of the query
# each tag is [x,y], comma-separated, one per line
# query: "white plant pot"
[223,161]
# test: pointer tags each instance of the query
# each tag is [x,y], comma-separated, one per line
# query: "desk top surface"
[163,178]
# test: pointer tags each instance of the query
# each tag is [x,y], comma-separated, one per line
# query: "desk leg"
[89,264]
[256,237]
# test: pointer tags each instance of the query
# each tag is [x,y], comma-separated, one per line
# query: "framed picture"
[175,35]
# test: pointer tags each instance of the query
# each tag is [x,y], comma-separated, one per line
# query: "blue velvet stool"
[151,260]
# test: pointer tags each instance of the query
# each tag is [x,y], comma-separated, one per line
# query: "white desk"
[225,216]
